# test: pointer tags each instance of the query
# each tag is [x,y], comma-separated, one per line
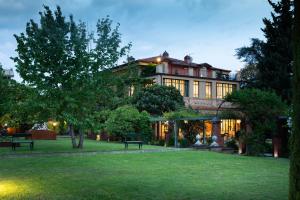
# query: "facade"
[202,86]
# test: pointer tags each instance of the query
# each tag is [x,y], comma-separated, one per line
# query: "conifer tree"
[273,57]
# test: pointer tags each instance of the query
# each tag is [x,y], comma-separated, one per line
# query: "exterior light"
[54,124]
[238,121]
[158,59]
[98,137]
[275,153]
[185,121]
[240,150]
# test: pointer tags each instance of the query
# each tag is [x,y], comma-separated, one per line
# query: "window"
[167,82]
[230,127]
[181,85]
[196,89]
[203,72]
[224,88]
[208,90]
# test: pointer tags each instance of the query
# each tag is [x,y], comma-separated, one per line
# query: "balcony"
[211,104]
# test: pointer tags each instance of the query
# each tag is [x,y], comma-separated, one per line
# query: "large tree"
[65,65]
[259,110]
[273,57]
[294,191]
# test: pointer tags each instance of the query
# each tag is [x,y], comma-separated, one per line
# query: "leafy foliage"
[181,113]
[126,120]
[259,109]
[56,58]
[248,76]
[158,99]
[273,57]
[17,105]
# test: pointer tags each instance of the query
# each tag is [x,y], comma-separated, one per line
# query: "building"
[8,73]
[202,86]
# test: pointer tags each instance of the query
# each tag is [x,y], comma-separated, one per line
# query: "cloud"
[210,29]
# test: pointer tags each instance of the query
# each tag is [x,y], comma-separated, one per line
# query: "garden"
[178,175]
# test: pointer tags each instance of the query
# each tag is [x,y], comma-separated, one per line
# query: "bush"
[232,143]
[126,120]
[184,143]
[158,99]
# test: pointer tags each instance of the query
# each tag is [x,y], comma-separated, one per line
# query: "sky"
[208,30]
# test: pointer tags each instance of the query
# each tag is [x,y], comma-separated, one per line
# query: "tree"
[259,110]
[16,103]
[126,120]
[3,92]
[294,185]
[56,58]
[248,76]
[273,57]
[158,99]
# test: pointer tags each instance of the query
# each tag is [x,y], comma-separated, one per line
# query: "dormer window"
[203,72]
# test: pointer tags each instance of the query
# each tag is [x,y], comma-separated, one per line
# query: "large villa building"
[202,86]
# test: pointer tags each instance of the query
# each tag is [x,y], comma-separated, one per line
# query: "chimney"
[130,59]
[188,59]
[165,54]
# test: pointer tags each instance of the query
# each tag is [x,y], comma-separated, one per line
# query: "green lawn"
[157,175]
[64,145]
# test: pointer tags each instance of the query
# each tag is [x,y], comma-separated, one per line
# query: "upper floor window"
[181,85]
[196,89]
[224,88]
[208,86]
[203,72]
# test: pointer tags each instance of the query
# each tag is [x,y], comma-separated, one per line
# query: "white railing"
[208,103]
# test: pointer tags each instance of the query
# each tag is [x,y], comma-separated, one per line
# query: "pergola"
[175,121]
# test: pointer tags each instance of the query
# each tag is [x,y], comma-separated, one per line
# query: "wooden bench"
[21,138]
[140,143]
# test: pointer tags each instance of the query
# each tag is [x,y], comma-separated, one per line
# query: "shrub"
[184,143]
[158,99]
[232,143]
[126,120]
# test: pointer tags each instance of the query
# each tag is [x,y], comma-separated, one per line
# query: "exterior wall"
[178,70]
[200,103]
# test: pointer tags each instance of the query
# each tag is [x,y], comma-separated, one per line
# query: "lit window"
[230,127]
[181,85]
[208,90]
[224,88]
[196,89]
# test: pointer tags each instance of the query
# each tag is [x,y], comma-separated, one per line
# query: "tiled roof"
[178,62]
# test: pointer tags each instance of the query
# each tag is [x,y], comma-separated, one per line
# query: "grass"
[64,145]
[159,175]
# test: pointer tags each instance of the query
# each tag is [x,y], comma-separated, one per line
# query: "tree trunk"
[72,134]
[81,138]
[294,187]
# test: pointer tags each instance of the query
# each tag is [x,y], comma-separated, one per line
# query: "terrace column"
[216,130]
